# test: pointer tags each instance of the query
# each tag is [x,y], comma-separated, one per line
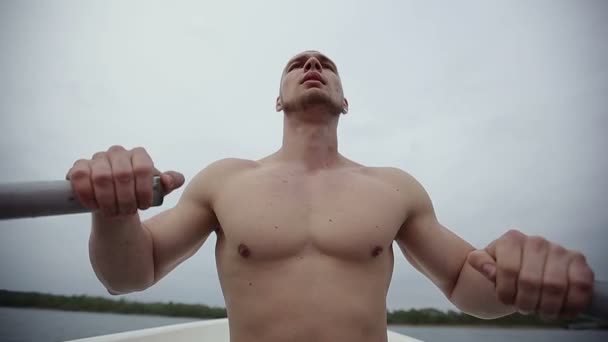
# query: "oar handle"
[47,198]
[599,302]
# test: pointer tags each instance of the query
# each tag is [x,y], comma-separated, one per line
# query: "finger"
[103,184]
[80,180]
[124,185]
[508,264]
[555,282]
[172,180]
[530,278]
[144,171]
[483,262]
[580,287]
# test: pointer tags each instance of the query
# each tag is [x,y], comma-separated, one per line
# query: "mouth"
[313,77]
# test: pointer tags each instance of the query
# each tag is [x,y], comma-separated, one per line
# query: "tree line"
[122,306]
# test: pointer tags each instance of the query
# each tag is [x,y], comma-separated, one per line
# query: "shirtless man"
[304,235]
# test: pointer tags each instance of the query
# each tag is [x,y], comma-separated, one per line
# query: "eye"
[293,66]
[328,66]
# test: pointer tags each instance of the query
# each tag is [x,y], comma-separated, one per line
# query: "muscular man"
[304,235]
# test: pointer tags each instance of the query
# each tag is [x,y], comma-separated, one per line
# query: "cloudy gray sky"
[499,108]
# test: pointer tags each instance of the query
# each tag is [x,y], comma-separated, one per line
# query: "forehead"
[308,54]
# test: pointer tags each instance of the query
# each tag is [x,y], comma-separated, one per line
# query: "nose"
[312,63]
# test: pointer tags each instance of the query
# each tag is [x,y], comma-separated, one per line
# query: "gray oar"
[47,198]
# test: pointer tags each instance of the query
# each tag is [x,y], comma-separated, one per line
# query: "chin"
[315,97]
[310,99]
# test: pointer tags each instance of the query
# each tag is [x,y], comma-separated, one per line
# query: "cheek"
[336,86]
[287,86]
[337,91]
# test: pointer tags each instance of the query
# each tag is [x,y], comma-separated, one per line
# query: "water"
[467,334]
[21,325]
[32,325]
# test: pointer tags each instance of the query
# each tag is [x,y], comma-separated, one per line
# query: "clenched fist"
[536,276]
[119,181]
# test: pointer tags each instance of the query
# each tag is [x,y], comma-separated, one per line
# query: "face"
[309,80]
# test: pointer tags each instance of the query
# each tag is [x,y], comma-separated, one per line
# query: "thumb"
[483,262]
[171,180]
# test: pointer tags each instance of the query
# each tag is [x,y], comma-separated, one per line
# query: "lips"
[313,76]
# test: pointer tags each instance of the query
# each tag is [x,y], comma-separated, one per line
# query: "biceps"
[177,234]
[435,251]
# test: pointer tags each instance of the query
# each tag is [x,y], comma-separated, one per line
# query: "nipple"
[376,251]
[244,251]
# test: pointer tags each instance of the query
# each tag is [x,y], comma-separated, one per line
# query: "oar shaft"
[47,198]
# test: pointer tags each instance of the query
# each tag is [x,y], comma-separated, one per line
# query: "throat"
[314,157]
[313,144]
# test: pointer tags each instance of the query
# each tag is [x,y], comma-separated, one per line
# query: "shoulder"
[393,175]
[228,166]
[211,178]
[413,191]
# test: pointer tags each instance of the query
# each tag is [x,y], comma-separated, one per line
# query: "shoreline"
[389,326]
[428,317]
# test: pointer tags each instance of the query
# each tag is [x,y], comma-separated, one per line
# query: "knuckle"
[528,283]
[116,148]
[80,161]
[558,250]
[98,155]
[139,149]
[79,174]
[102,179]
[123,177]
[554,287]
[537,242]
[514,234]
[578,256]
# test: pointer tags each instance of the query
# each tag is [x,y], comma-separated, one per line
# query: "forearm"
[476,295]
[121,253]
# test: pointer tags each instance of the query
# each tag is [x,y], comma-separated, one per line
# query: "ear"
[344,106]
[278,106]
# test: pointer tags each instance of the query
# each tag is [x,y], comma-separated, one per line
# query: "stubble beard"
[311,100]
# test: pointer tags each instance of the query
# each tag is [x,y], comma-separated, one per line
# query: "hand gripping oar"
[35,199]
[47,198]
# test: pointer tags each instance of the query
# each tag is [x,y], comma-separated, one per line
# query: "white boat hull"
[215,330]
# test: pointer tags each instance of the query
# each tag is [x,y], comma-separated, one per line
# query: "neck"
[311,140]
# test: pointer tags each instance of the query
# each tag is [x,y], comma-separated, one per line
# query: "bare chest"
[279,215]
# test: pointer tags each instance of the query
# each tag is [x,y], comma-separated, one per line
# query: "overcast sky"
[499,108]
